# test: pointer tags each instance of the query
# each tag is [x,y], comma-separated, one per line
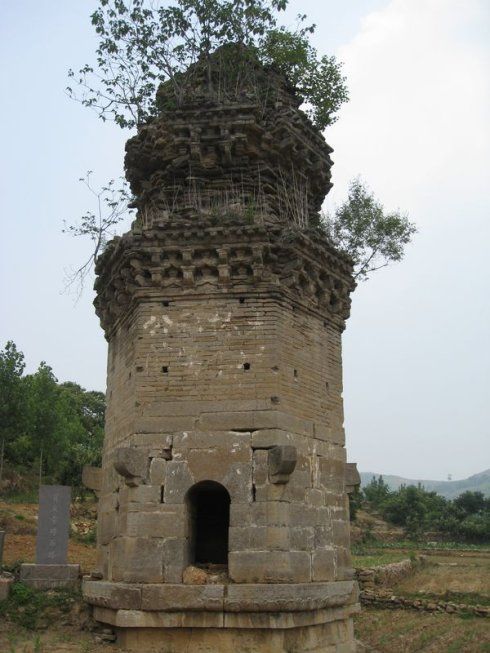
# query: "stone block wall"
[205,392]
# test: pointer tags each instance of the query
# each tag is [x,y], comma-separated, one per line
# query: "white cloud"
[419,109]
[416,356]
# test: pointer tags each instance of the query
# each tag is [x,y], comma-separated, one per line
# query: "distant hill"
[449,489]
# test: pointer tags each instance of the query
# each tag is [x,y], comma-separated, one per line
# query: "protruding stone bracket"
[132,464]
[282,461]
[352,478]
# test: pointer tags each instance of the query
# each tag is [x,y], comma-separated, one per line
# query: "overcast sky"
[416,349]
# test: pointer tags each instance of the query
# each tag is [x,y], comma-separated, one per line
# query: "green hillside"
[449,489]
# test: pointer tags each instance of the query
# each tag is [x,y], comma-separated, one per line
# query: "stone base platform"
[336,637]
[46,577]
[235,618]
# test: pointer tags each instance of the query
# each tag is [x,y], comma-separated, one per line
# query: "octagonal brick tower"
[223,515]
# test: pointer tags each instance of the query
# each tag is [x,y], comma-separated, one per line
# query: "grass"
[435,546]
[406,631]
[27,496]
[376,559]
[31,609]
[458,574]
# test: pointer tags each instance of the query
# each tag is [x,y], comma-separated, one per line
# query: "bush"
[32,608]
[466,518]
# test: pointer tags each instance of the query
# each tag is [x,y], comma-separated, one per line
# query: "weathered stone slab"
[92,478]
[136,560]
[172,597]
[264,513]
[178,481]
[287,597]
[259,538]
[323,564]
[290,597]
[158,471]
[112,595]
[270,566]
[41,576]
[53,524]
[254,420]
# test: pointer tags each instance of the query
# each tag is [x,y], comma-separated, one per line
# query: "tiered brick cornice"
[253,146]
[189,258]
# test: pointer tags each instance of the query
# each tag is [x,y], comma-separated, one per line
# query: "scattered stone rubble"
[369,578]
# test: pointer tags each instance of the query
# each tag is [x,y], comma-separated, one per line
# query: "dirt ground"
[23,547]
[53,641]
[19,520]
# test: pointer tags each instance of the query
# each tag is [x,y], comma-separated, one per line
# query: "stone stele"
[53,526]
[223,307]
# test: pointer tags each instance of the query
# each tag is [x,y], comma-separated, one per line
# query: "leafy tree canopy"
[146,44]
[369,234]
[143,43]
[415,509]
[50,427]
[11,396]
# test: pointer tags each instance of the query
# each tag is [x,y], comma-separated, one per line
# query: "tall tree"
[147,44]
[43,418]
[142,44]
[370,235]
[11,396]
[82,416]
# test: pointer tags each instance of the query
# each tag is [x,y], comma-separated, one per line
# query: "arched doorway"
[208,506]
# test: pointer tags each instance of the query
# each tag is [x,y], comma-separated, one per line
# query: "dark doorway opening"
[209,513]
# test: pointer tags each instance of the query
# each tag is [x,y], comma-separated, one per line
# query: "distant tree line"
[419,511]
[47,428]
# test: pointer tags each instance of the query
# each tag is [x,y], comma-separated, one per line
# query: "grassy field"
[375,559]
[408,631]
[456,576]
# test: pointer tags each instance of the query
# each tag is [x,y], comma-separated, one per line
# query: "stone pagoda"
[223,518]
